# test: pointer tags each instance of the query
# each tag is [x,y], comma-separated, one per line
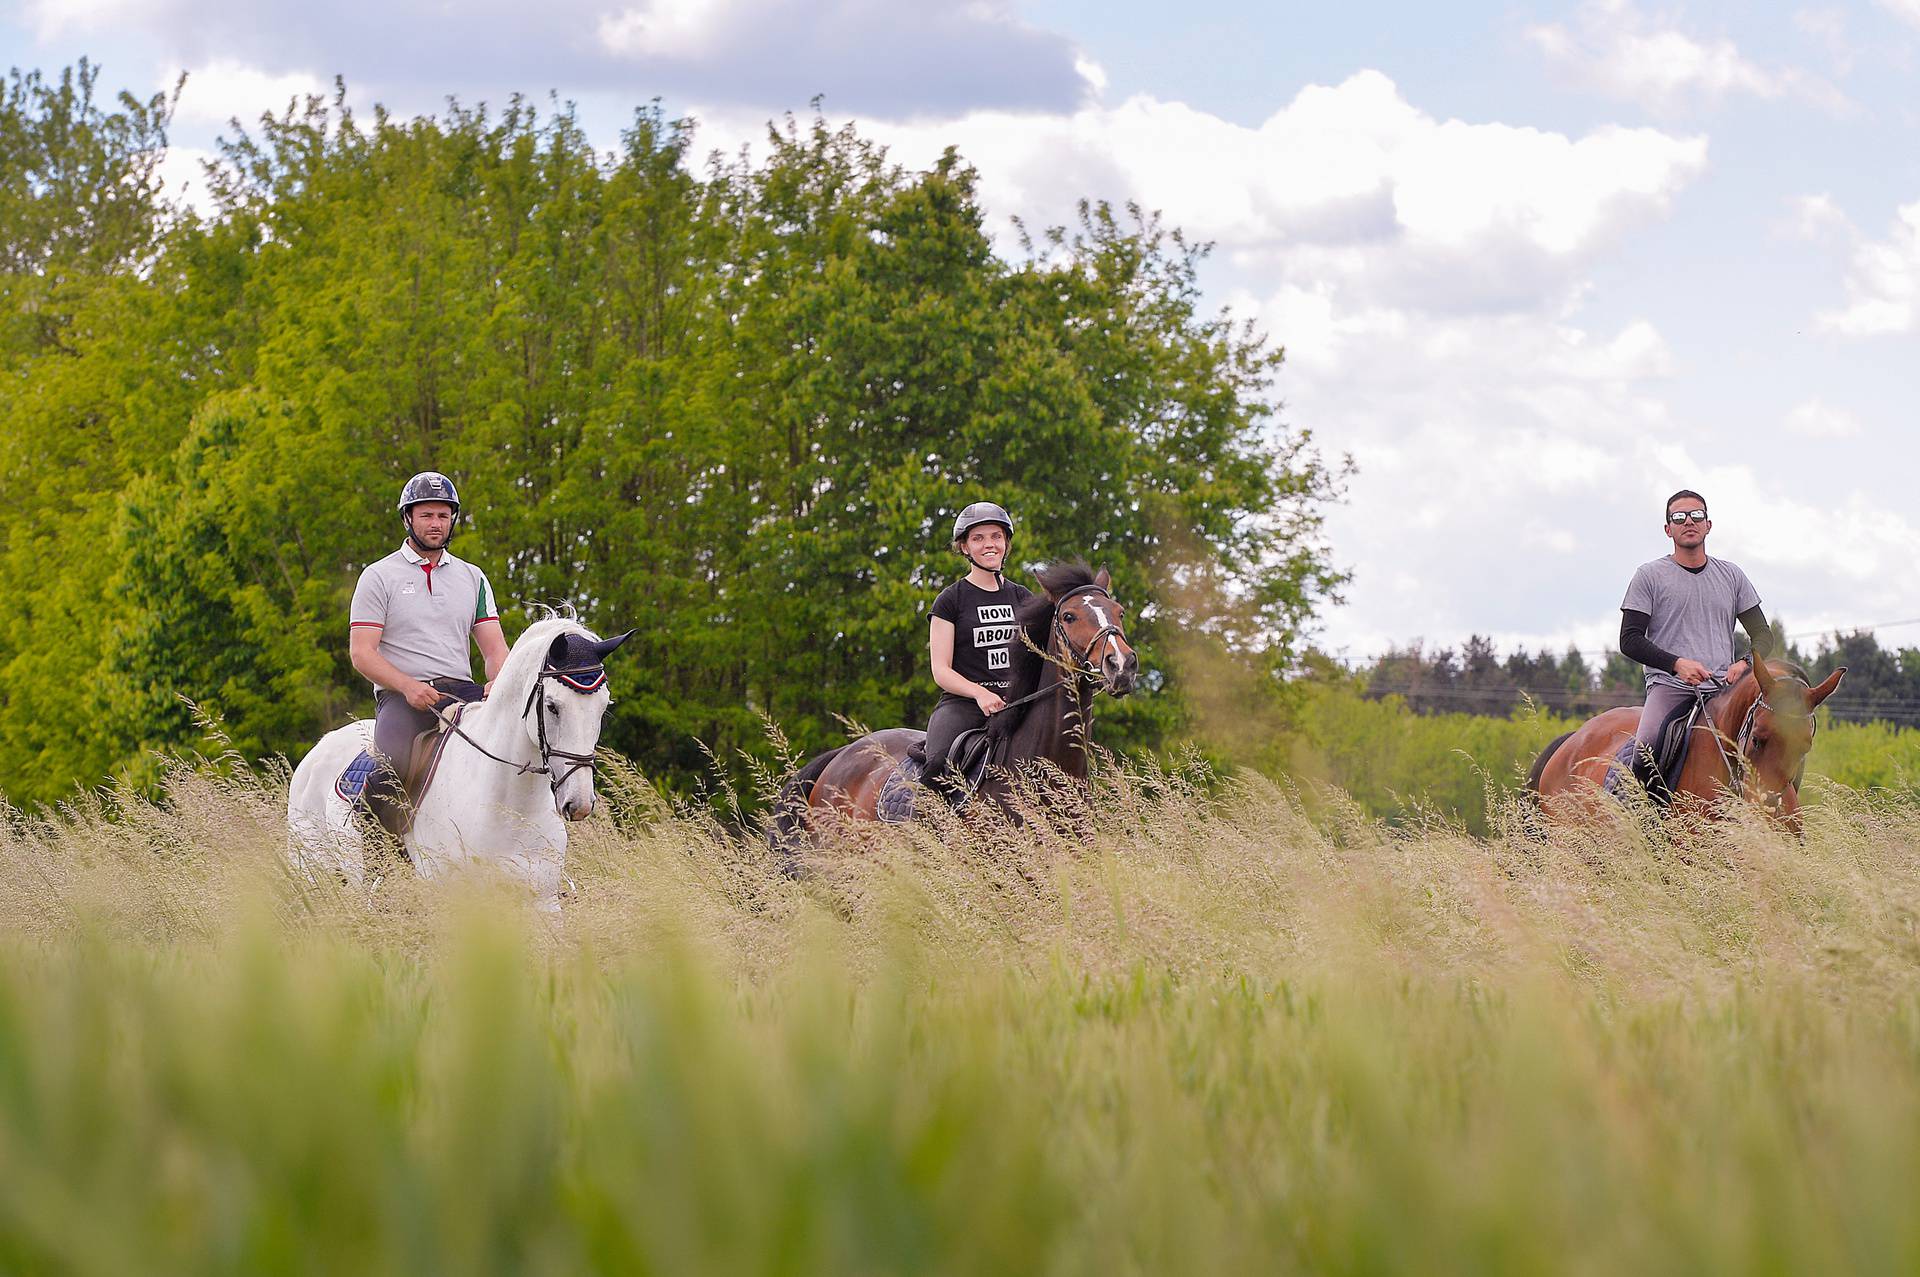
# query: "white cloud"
[666,29]
[224,90]
[1620,52]
[52,19]
[1906,10]
[1883,282]
[1816,419]
[929,57]
[1092,72]
[1348,189]
[1818,217]
[183,178]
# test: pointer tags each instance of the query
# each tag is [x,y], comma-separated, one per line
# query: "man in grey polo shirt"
[1677,620]
[414,612]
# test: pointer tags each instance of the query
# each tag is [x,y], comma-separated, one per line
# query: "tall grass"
[1217,1034]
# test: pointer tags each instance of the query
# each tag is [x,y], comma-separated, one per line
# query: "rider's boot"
[1647,772]
[387,801]
[948,783]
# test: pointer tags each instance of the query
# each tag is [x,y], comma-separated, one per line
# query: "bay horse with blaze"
[1072,645]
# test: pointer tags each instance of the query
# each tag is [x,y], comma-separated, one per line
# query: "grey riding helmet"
[429,485]
[981,512]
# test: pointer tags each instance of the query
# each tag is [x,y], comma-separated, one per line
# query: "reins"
[584,679]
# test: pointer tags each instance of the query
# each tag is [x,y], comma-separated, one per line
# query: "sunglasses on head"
[1678,517]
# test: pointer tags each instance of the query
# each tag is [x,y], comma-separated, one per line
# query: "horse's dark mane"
[1035,618]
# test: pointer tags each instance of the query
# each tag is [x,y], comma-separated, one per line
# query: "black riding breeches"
[396,723]
[953,715]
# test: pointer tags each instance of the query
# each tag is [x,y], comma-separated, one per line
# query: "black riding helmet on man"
[971,636]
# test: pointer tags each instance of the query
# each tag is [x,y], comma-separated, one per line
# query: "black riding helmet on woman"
[971,636]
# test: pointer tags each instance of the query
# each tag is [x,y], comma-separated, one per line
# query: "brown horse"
[1072,645]
[1752,740]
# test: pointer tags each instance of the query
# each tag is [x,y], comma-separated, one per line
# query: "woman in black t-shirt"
[971,635]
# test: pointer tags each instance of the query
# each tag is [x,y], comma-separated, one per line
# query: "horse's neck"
[1056,728]
[494,725]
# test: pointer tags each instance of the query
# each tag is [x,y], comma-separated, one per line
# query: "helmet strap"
[406,520]
[998,573]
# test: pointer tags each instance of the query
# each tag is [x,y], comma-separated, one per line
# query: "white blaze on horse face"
[1112,635]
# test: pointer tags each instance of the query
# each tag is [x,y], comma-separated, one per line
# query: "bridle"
[1736,759]
[585,679]
[1081,664]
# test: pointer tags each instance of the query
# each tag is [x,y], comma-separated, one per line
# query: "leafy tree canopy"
[733,404]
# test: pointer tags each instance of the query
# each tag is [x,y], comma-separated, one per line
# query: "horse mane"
[528,655]
[1035,618]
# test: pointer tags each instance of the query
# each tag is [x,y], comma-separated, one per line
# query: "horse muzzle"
[1120,673]
[577,809]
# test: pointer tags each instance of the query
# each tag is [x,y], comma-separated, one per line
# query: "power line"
[1602,654]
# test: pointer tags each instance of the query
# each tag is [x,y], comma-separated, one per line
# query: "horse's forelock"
[1066,576]
[1035,618]
[529,652]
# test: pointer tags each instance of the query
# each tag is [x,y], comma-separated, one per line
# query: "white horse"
[517,763]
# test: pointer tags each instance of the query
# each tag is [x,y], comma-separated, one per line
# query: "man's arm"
[1635,645]
[363,648]
[492,642]
[1754,622]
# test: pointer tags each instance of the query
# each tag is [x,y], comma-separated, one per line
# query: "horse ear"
[1825,689]
[1763,676]
[1104,579]
[557,652]
[605,647]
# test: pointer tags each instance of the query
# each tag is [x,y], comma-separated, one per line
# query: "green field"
[1407,767]
[1226,1034]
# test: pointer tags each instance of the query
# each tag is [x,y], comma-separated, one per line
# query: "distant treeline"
[732,403]
[1882,684]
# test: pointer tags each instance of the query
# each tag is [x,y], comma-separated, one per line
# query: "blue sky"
[1535,265]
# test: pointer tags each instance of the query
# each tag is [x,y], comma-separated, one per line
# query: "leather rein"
[585,679]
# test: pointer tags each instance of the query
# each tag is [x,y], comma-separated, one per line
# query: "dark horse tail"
[1540,763]
[790,809]
[1531,818]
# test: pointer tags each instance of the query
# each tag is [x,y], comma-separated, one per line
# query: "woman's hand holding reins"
[989,701]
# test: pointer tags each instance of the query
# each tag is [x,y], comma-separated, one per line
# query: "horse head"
[1775,733]
[564,712]
[1089,626]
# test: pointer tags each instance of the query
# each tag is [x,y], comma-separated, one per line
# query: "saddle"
[969,757]
[1672,746]
[423,761]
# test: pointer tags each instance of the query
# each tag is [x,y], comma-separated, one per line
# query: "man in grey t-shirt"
[414,614]
[1677,620]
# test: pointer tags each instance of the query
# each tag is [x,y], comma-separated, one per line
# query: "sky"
[1534,266]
